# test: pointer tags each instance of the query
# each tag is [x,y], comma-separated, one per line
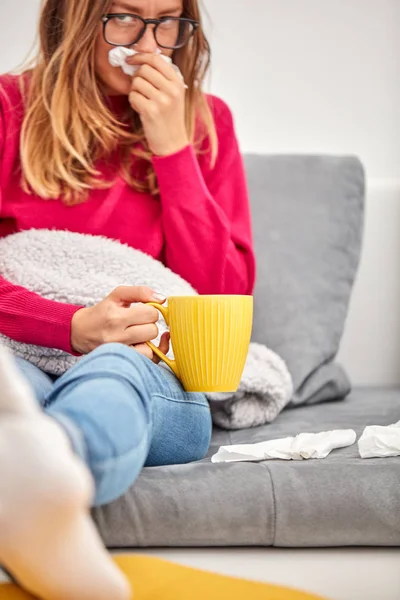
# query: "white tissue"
[117,58]
[302,447]
[380,442]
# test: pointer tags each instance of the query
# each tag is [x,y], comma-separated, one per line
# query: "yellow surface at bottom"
[155,579]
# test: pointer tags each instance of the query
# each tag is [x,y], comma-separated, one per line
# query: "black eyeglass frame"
[146,22]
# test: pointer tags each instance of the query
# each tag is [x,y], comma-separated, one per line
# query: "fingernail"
[159,297]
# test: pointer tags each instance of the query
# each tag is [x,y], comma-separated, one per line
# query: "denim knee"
[116,350]
[111,358]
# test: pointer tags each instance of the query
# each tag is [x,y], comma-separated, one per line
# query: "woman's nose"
[147,43]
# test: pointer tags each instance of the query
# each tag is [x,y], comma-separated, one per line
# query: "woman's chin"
[118,85]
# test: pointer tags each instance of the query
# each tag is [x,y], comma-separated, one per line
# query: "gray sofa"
[308,222]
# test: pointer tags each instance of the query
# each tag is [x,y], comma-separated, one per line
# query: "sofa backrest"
[308,222]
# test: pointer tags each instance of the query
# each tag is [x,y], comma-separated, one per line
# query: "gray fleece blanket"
[82,269]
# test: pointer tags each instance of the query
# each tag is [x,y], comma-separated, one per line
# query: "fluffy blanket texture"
[82,269]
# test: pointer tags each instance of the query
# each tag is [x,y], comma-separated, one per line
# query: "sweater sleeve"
[206,215]
[27,317]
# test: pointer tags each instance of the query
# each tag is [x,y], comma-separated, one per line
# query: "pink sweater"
[199,226]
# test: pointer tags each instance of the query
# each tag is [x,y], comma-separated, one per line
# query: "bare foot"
[47,538]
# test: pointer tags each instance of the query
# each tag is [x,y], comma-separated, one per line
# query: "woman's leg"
[182,424]
[40,382]
[120,410]
[47,538]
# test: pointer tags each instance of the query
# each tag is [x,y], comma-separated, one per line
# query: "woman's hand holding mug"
[115,320]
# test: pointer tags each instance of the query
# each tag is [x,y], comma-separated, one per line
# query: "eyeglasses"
[124,29]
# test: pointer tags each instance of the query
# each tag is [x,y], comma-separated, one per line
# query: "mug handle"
[171,363]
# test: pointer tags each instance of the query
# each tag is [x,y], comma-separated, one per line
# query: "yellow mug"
[210,337]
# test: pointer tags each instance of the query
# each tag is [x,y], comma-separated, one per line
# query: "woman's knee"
[115,350]
[113,359]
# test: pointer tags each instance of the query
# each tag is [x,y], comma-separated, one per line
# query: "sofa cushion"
[308,218]
[342,500]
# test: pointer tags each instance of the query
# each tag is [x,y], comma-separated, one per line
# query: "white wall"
[17,31]
[311,76]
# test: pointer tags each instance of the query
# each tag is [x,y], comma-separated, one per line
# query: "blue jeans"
[122,412]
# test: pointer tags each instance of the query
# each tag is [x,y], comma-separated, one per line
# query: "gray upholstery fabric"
[342,500]
[308,220]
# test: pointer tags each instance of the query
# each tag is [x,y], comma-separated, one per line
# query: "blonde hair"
[67,125]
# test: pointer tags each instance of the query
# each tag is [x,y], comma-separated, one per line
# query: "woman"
[147,160]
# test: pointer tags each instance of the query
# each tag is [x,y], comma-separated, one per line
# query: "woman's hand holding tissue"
[158,96]
[115,320]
